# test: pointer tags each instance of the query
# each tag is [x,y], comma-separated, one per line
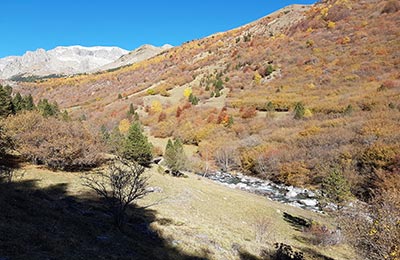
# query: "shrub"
[123,126]
[294,173]
[262,229]
[321,235]
[53,142]
[226,158]
[376,156]
[121,185]
[248,112]
[391,6]
[374,229]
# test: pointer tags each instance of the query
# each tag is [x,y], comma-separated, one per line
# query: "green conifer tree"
[175,157]
[6,106]
[28,103]
[48,109]
[18,102]
[299,110]
[131,112]
[335,188]
[136,146]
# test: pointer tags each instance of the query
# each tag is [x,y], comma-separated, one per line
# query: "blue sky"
[31,24]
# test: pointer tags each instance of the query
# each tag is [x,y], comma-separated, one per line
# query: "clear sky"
[31,24]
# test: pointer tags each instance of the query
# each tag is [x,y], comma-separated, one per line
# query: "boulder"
[309,202]
[291,193]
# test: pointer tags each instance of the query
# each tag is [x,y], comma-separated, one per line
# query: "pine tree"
[18,102]
[65,116]
[335,188]
[48,109]
[5,143]
[28,103]
[6,106]
[136,146]
[104,133]
[175,157]
[131,111]
[299,111]
[270,107]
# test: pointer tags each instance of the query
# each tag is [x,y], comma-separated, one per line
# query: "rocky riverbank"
[294,196]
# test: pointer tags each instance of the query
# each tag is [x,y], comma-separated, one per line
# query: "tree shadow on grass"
[37,223]
[297,223]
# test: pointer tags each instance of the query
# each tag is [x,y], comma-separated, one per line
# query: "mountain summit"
[61,60]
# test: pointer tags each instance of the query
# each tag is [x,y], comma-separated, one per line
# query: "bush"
[376,156]
[121,185]
[374,229]
[321,235]
[391,6]
[226,158]
[53,142]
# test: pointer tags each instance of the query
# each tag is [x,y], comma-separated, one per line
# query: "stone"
[155,189]
[241,186]
[291,193]
[311,194]
[309,202]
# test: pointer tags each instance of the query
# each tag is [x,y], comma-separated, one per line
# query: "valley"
[279,138]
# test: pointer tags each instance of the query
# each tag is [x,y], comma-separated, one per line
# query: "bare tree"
[121,185]
[226,158]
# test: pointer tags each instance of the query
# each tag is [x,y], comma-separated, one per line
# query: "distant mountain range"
[73,60]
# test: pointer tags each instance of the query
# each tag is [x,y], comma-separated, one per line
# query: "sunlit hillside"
[308,96]
[338,60]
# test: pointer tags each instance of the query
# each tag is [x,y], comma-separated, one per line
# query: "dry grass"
[199,217]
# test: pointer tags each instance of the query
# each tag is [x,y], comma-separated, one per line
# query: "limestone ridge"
[61,60]
[144,52]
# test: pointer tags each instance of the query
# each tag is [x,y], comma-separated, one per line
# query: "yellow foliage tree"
[156,106]
[257,78]
[187,92]
[123,126]
[307,113]
[331,25]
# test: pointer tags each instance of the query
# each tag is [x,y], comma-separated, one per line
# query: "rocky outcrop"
[61,60]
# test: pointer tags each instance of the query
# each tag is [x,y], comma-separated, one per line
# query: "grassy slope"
[195,217]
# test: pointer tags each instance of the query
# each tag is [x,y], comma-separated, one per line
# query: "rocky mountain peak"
[60,60]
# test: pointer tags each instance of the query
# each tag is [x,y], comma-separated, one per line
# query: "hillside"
[142,53]
[308,96]
[341,66]
[196,219]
